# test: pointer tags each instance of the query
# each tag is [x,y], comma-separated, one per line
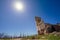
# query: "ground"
[38,37]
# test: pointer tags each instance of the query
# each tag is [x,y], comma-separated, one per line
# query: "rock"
[46,28]
[40,25]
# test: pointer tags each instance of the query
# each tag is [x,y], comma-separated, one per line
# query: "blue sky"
[14,22]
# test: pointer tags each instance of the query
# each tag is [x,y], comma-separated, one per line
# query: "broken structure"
[44,28]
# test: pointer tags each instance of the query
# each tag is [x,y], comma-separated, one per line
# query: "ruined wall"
[46,28]
[40,25]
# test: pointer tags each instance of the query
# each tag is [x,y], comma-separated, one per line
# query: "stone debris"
[46,28]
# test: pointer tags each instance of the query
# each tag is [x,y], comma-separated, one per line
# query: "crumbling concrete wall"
[45,28]
[40,25]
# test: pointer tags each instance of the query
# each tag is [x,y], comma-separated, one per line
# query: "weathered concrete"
[46,28]
[40,25]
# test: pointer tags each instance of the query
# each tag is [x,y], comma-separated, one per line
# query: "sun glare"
[19,6]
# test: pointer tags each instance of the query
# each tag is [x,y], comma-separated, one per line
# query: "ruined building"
[44,28]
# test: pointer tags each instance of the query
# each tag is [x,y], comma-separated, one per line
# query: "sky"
[15,22]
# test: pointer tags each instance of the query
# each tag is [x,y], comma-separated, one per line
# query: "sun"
[18,6]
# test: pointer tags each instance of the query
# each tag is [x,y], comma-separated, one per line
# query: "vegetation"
[49,37]
[46,37]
